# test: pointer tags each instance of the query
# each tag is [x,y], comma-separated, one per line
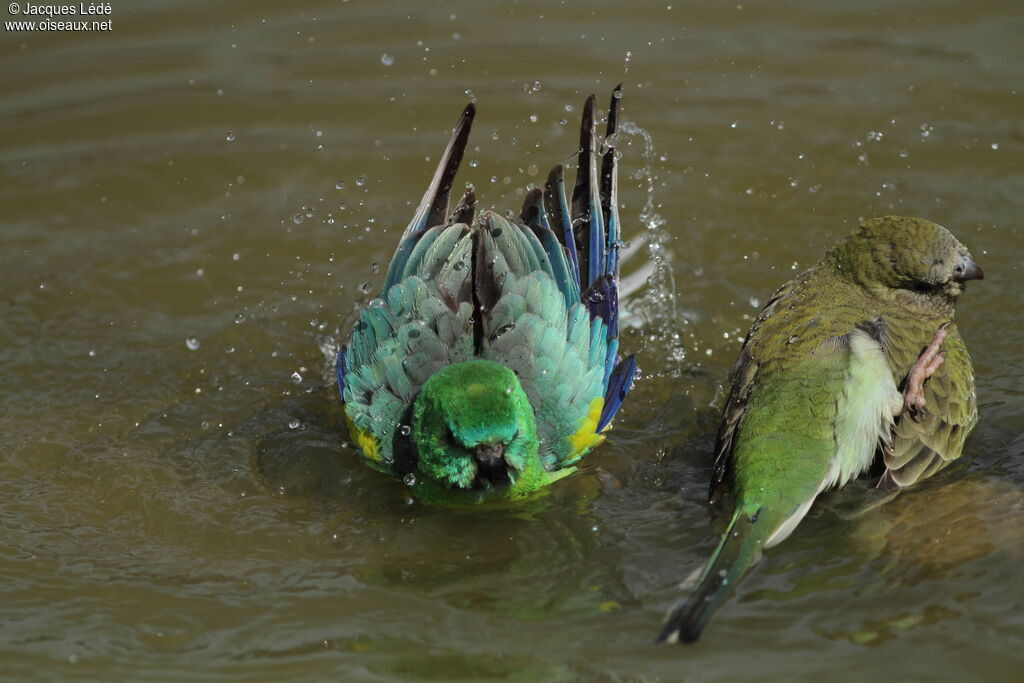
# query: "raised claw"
[927,363]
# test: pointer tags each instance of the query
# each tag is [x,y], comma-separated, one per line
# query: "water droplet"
[230,137]
[192,343]
[995,145]
[755,302]
[239,318]
[386,59]
[365,288]
[298,218]
[296,377]
[361,180]
[405,430]
[409,479]
[294,423]
[236,256]
[375,267]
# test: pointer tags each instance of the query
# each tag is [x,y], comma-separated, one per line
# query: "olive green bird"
[488,366]
[830,385]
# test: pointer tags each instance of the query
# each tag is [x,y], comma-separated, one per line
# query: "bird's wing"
[550,291]
[433,208]
[815,388]
[423,323]
[921,447]
[557,350]
[590,228]
[741,381]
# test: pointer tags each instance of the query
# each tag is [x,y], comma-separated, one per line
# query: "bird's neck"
[912,304]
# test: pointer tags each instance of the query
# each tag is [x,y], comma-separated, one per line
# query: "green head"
[473,428]
[913,254]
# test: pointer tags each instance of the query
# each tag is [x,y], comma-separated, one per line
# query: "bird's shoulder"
[803,314]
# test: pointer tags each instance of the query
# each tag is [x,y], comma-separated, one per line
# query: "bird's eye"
[959,269]
[447,435]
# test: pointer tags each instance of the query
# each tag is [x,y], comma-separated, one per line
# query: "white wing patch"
[866,411]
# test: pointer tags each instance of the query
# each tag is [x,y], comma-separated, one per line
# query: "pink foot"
[926,365]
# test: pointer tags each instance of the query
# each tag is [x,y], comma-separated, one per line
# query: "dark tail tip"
[685,625]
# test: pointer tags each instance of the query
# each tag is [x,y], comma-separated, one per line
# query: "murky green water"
[228,174]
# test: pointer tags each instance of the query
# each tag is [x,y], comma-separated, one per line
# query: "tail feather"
[739,549]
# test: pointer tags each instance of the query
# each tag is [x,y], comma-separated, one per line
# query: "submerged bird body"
[817,395]
[488,366]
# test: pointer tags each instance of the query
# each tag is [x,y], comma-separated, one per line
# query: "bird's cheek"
[516,456]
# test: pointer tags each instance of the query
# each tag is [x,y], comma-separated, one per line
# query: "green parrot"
[830,385]
[488,366]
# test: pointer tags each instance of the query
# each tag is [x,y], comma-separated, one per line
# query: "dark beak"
[491,466]
[969,270]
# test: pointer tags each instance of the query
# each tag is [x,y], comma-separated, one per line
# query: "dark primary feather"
[434,205]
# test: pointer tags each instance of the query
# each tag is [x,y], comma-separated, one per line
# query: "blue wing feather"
[558,216]
[618,386]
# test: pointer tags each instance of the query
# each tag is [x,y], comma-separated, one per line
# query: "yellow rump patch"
[366,441]
[586,437]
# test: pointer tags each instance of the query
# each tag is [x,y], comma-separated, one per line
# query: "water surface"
[194,202]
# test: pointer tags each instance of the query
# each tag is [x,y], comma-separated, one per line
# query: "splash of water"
[658,303]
